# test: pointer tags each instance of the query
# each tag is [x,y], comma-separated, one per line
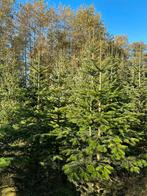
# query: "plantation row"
[73,104]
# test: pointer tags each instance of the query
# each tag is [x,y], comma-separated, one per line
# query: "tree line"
[73,103]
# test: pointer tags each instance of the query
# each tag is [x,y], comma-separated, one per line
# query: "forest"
[73,104]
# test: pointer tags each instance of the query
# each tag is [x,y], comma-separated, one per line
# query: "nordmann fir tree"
[9,103]
[103,143]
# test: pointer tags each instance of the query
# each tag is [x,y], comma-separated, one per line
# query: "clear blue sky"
[127,17]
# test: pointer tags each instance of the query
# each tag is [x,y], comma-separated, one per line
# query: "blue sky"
[126,17]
